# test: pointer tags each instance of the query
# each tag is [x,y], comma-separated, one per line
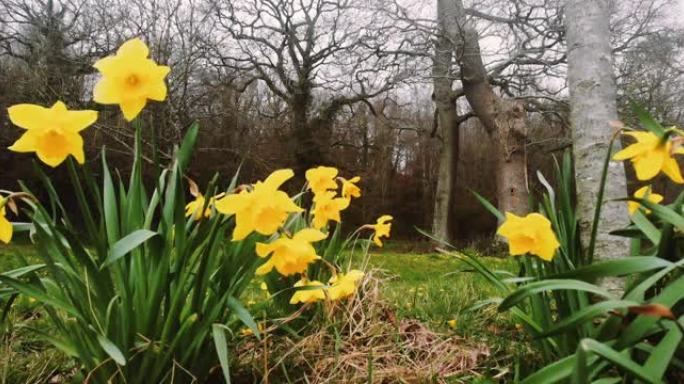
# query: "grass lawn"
[436,288]
[430,287]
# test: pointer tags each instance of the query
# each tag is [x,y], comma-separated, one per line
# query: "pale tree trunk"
[504,120]
[593,107]
[446,123]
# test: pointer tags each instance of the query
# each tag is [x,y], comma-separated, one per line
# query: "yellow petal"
[283,202]
[509,226]
[243,227]
[632,151]
[132,108]
[277,178]
[30,116]
[158,91]
[135,48]
[110,66]
[230,204]
[76,121]
[264,268]
[262,250]
[108,91]
[671,169]
[384,218]
[648,165]
[26,143]
[5,230]
[310,235]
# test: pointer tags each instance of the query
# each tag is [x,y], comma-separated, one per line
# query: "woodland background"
[349,83]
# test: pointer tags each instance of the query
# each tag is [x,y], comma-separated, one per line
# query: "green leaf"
[491,208]
[553,373]
[664,213]
[187,146]
[608,380]
[622,361]
[621,267]
[661,356]
[646,227]
[218,331]
[112,350]
[109,200]
[15,273]
[243,314]
[127,244]
[647,120]
[599,202]
[550,285]
[586,314]
[31,290]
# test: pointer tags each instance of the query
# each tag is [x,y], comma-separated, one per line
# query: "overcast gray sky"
[678,17]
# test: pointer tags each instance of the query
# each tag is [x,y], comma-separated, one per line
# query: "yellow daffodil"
[452,323]
[290,255]
[5,225]
[344,285]
[641,193]
[529,234]
[264,209]
[382,228]
[321,179]
[349,187]
[309,295]
[194,208]
[650,155]
[130,78]
[246,331]
[327,207]
[52,133]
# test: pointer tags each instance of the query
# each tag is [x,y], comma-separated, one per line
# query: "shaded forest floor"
[430,291]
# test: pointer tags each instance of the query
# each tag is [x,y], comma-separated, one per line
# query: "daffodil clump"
[591,317]
[148,283]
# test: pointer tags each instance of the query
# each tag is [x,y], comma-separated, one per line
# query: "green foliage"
[587,334]
[132,289]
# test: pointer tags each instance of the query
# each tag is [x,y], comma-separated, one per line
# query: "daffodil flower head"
[130,78]
[5,225]
[644,193]
[194,208]
[309,294]
[327,207]
[349,187]
[650,155]
[290,256]
[344,285]
[52,133]
[264,209]
[530,234]
[382,228]
[321,179]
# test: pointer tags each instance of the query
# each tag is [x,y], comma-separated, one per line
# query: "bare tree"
[318,56]
[504,120]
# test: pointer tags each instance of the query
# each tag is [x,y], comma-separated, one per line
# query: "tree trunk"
[305,142]
[593,106]
[447,125]
[504,120]
[511,186]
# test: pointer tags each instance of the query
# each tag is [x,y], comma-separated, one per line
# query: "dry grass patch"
[363,341]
